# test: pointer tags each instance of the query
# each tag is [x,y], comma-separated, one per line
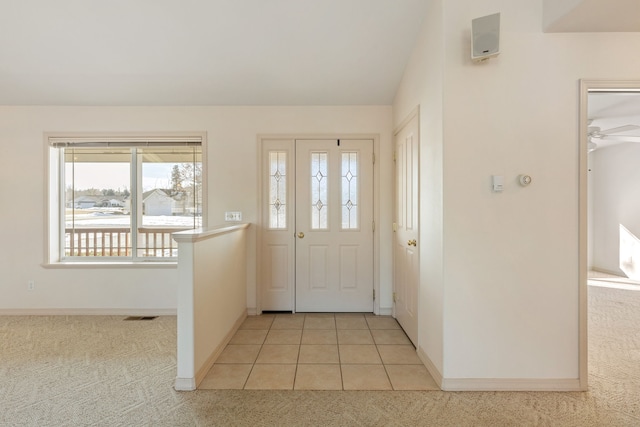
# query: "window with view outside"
[124,202]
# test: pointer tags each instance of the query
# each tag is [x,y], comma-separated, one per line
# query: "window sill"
[109,265]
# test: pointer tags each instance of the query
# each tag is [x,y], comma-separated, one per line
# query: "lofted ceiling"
[198,52]
[229,52]
[567,16]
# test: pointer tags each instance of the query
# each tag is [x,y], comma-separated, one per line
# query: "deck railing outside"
[116,242]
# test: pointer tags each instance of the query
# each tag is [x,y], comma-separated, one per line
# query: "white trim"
[431,367]
[198,234]
[261,220]
[510,384]
[406,120]
[88,312]
[287,145]
[415,113]
[184,384]
[110,265]
[385,311]
[587,85]
[53,167]
[206,367]
[498,384]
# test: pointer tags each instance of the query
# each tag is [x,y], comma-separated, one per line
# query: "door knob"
[301,235]
[412,242]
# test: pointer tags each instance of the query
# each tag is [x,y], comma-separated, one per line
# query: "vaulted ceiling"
[222,52]
[195,52]
[591,16]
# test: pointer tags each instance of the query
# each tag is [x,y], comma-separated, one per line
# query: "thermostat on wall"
[524,180]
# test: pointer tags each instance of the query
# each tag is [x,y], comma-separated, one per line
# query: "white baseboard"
[510,384]
[386,311]
[606,271]
[497,384]
[435,373]
[252,311]
[184,384]
[206,366]
[87,312]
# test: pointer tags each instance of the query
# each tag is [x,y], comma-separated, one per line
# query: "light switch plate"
[233,216]
[497,182]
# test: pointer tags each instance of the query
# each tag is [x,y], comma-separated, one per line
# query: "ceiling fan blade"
[619,129]
[621,138]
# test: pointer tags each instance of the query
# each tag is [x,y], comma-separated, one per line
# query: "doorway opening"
[613,146]
[609,137]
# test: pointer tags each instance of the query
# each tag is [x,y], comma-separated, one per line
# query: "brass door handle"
[301,235]
[412,242]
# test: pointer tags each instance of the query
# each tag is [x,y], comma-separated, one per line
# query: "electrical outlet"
[31,285]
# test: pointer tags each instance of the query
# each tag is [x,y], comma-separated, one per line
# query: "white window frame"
[54,194]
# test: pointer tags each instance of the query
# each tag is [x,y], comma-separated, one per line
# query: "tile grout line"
[384,365]
[299,344]
[339,357]
[295,372]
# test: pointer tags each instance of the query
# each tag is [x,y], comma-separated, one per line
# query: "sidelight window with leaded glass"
[350,190]
[277,189]
[319,191]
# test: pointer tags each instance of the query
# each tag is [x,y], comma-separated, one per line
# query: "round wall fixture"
[524,180]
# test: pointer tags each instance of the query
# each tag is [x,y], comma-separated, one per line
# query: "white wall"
[232,162]
[211,297]
[422,86]
[510,260]
[616,201]
[554,10]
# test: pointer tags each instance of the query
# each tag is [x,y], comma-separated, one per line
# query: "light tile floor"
[335,351]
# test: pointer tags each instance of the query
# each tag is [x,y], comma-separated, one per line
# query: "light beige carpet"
[77,371]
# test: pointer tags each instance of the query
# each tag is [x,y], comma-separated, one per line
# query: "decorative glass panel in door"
[334,251]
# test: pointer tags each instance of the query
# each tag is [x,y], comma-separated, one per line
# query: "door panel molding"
[271,293]
[334,196]
[407,236]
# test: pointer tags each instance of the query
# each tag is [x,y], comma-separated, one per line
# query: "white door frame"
[583,240]
[262,219]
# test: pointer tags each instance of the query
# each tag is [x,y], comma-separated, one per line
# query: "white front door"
[407,253]
[334,226]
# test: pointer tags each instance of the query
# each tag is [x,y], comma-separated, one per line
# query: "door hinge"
[373,226]
[394,297]
[394,156]
[374,294]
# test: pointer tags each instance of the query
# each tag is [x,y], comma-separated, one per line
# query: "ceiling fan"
[617,134]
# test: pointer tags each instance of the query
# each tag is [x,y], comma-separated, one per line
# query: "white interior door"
[334,226]
[407,252]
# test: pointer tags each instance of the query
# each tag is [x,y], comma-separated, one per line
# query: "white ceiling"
[226,52]
[592,15]
[611,110]
[205,52]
